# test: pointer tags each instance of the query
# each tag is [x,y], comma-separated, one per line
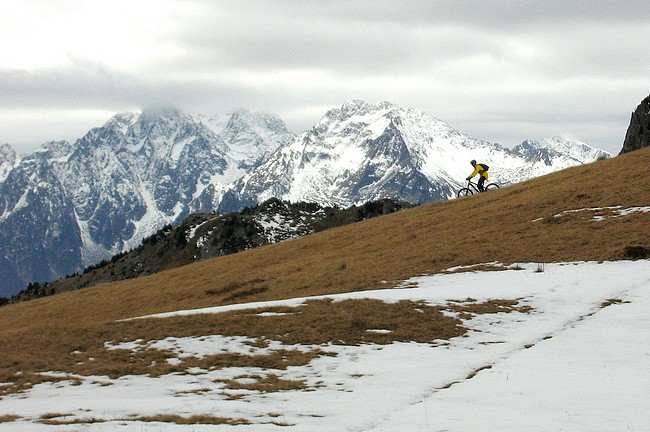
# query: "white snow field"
[579,361]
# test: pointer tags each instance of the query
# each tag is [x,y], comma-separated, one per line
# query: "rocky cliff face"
[68,206]
[638,133]
[39,235]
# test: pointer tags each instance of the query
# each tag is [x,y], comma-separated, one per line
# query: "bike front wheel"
[464,192]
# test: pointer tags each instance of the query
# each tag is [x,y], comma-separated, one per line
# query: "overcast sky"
[504,71]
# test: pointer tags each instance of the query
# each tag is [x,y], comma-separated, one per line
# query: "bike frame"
[473,185]
[472,188]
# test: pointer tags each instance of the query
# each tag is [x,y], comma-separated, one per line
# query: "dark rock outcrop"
[638,133]
[206,235]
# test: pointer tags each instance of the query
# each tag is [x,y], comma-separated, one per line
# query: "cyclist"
[482,170]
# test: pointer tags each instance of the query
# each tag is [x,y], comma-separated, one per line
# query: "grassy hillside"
[520,223]
[204,236]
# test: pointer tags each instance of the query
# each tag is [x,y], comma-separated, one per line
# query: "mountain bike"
[472,188]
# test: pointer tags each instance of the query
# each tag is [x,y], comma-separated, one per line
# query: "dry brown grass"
[469,308]
[54,419]
[316,323]
[265,384]
[8,418]
[191,420]
[45,334]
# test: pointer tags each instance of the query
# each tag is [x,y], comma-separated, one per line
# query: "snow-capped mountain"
[67,206]
[252,137]
[39,237]
[550,150]
[361,152]
[8,160]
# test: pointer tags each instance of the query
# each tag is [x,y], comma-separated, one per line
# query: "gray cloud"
[499,70]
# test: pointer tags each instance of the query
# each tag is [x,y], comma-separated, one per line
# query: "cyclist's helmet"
[473,162]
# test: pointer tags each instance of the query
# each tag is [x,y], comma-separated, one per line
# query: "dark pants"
[481,181]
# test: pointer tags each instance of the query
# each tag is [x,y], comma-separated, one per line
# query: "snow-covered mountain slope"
[8,160]
[550,150]
[39,236]
[569,357]
[252,137]
[363,151]
[118,184]
[125,180]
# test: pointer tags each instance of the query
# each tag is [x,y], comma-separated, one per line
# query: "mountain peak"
[164,111]
[116,185]
[557,147]
[8,159]
[56,149]
[123,119]
[251,135]
[7,153]
[165,117]
[355,106]
[362,151]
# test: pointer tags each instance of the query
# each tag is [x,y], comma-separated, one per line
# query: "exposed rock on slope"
[208,235]
[638,133]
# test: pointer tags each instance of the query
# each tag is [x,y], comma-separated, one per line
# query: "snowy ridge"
[252,137]
[573,362]
[557,148]
[361,152]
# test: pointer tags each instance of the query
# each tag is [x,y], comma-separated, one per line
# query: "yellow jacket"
[479,169]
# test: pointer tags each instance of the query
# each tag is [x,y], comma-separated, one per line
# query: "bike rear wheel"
[492,186]
[464,192]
